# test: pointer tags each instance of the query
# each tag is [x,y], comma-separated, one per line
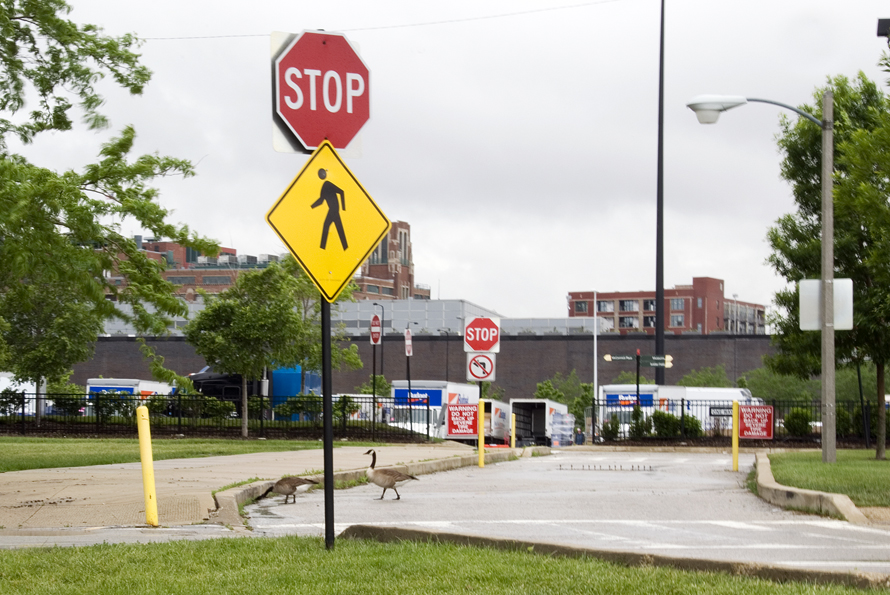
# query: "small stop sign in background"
[482,334]
[321,90]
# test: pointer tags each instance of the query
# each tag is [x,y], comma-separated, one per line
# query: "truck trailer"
[541,422]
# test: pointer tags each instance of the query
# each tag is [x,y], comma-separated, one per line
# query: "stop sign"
[482,334]
[375,330]
[322,89]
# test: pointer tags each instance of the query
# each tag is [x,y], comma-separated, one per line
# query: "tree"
[567,389]
[862,228]
[250,327]
[715,376]
[307,298]
[383,387]
[768,385]
[628,377]
[61,231]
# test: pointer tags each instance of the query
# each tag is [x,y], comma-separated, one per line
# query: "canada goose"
[386,478]
[289,486]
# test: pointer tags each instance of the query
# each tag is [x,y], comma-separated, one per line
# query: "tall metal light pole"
[707,109]
[659,214]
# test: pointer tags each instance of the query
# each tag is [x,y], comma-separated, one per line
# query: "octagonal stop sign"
[321,89]
[482,334]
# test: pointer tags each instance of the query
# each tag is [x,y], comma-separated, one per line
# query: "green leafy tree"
[715,377]
[250,327]
[861,229]
[491,392]
[384,388]
[308,349]
[61,231]
[546,390]
[766,384]
[628,377]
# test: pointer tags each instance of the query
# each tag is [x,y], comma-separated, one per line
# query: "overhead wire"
[407,25]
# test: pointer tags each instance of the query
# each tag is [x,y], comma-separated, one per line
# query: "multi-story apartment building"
[697,308]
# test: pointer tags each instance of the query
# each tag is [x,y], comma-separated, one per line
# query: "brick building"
[697,308]
[389,273]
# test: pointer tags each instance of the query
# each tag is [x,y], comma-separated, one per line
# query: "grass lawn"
[20,453]
[857,474]
[302,565]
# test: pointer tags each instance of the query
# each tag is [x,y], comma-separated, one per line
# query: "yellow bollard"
[148,471]
[512,430]
[481,415]
[735,435]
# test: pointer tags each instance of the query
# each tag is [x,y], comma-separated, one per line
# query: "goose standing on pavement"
[388,479]
[289,486]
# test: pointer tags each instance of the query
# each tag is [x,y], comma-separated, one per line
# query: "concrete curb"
[772,573]
[228,501]
[838,505]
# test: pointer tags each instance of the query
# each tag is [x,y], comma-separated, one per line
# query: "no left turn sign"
[480,367]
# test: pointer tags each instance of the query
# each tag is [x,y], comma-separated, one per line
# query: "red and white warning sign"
[480,366]
[462,420]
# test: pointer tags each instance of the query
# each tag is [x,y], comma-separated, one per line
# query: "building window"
[372,288]
[181,280]
[606,324]
[580,307]
[405,293]
[699,302]
[629,306]
[605,306]
[649,321]
[217,280]
[387,291]
[676,320]
[677,304]
[629,322]
[649,305]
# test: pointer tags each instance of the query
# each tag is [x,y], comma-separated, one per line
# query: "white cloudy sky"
[517,137]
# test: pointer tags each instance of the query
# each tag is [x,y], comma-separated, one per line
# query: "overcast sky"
[517,137]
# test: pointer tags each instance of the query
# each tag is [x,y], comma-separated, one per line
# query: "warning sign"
[462,420]
[756,422]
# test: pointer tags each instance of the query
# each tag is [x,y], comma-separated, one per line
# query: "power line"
[407,25]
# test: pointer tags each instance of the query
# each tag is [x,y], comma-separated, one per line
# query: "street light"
[707,109]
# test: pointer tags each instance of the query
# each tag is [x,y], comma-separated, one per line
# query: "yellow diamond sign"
[328,221]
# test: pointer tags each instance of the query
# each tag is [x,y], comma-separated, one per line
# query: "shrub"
[69,405]
[797,422]
[844,423]
[611,429]
[872,420]
[692,427]
[640,426]
[665,424]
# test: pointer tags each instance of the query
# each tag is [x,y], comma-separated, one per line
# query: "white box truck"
[535,422]
[131,386]
[618,400]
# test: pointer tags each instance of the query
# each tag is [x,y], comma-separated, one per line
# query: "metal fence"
[683,419]
[298,417]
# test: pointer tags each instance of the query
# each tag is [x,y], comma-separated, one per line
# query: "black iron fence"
[667,419]
[356,417]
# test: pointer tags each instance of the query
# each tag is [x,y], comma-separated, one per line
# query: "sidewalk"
[112,495]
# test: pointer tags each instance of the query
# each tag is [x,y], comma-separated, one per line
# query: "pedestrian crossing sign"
[328,221]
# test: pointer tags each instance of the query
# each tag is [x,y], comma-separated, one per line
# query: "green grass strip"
[248,566]
[856,473]
[21,453]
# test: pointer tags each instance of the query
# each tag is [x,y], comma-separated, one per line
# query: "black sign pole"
[638,377]
[328,413]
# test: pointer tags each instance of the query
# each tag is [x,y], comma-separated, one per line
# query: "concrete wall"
[523,361]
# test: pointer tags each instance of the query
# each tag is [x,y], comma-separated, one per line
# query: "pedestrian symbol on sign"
[333,196]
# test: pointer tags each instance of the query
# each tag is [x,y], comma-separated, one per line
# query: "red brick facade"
[698,308]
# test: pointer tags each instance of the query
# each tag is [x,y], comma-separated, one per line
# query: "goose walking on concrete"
[289,486]
[388,479]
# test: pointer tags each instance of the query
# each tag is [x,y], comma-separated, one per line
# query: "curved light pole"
[707,109]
